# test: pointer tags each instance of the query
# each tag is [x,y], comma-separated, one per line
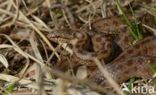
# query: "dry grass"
[27,56]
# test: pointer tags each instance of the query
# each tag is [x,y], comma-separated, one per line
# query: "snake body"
[132,62]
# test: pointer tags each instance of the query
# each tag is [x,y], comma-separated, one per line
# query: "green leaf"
[135,28]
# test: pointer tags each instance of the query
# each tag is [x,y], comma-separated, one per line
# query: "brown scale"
[82,41]
[132,67]
[133,62]
[129,64]
[145,47]
[108,25]
[114,25]
[124,39]
[102,46]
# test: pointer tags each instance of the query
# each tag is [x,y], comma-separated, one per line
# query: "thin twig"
[108,77]
[36,30]
[66,9]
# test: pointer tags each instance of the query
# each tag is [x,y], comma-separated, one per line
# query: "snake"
[99,42]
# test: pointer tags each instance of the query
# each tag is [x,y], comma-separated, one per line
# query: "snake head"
[63,36]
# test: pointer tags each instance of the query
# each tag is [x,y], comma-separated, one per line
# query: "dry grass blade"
[108,77]
[66,47]
[22,82]
[17,13]
[15,46]
[84,82]
[34,45]
[4,61]
[7,12]
[8,8]
[12,79]
[22,16]
[58,90]
[4,3]
[39,71]
[34,64]
[5,46]
[26,55]
[96,4]
[41,23]
[150,28]
[39,80]
[69,16]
